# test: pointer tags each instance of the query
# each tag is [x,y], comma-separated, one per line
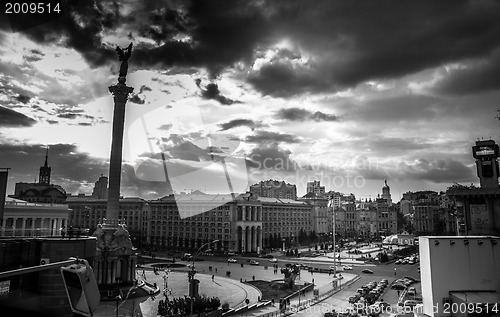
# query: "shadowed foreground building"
[480,207]
[39,293]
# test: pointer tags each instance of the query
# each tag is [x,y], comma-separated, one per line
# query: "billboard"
[485,150]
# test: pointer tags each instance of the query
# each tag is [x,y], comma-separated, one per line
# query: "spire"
[44,176]
[46,157]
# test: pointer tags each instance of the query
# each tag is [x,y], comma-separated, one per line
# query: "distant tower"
[386,193]
[101,188]
[44,176]
[486,155]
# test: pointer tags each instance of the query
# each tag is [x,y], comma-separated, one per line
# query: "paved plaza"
[229,290]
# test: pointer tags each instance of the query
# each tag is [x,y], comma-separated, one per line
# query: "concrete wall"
[451,264]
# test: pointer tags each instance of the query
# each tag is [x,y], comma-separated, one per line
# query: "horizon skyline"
[230,93]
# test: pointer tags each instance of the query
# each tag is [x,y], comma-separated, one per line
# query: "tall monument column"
[115,252]
[120,93]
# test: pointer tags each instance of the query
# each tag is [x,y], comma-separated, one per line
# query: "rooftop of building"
[10,202]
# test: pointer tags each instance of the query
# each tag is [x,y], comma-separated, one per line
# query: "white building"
[26,219]
[458,271]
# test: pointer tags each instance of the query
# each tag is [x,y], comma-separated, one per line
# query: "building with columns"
[27,219]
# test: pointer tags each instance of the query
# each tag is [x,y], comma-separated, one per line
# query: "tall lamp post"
[333,238]
[193,272]
[118,299]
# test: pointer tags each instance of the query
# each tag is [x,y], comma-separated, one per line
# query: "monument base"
[116,258]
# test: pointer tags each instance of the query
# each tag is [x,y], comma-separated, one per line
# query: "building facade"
[321,214]
[26,219]
[43,191]
[316,188]
[88,212]
[274,189]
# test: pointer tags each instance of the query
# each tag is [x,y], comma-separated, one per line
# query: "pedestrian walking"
[215,270]
[212,277]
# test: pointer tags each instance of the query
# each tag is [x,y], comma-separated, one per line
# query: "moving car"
[347,267]
[253,262]
[368,271]
[231,260]
[274,260]
[336,268]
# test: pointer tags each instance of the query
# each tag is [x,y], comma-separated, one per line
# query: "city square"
[250,158]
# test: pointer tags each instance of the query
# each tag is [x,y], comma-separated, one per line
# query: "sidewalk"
[320,283]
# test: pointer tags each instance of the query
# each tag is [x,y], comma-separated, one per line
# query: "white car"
[274,260]
[336,268]
[231,260]
[347,267]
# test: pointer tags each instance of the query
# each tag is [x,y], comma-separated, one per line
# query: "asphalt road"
[339,301]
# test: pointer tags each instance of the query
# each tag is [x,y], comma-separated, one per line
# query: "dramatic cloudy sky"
[232,92]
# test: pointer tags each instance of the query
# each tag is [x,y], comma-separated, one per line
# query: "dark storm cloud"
[136,99]
[271,157]
[34,56]
[11,118]
[342,43]
[376,40]
[299,114]
[239,123]
[22,98]
[478,76]
[271,137]
[437,171]
[179,146]
[211,91]
[134,186]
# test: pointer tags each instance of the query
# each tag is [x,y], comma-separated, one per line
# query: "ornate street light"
[193,272]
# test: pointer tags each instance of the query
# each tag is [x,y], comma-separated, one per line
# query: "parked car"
[411,278]
[368,271]
[187,257]
[231,260]
[398,286]
[253,262]
[410,303]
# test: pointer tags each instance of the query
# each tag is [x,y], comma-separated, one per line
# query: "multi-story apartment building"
[315,187]
[101,188]
[321,215]
[283,220]
[245,223]
[345,220]
[274,189]
[88,212]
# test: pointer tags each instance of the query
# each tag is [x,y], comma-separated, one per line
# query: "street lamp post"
[193,271]
[118,299]
[333,233]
